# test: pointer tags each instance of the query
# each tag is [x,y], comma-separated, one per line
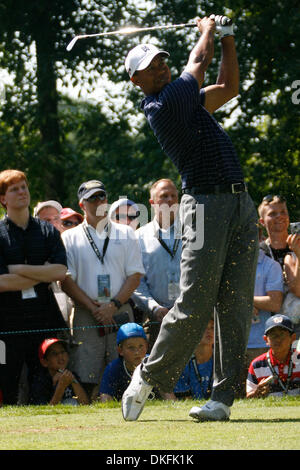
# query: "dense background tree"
[36,32]
[267,131]
[60,142]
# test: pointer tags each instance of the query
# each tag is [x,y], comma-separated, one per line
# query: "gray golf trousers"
[218,266]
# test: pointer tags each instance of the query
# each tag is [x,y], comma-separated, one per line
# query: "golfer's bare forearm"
[229,75]
[201,56]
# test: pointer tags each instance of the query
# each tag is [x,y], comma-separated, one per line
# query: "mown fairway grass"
[269,424]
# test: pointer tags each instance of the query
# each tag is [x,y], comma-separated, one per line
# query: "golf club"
[132,30]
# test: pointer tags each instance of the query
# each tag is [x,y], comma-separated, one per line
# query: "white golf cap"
[41,205]
[140,57]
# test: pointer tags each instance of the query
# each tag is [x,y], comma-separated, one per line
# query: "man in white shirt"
[104,267]
[160,242]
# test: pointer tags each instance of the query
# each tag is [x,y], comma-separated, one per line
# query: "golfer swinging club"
[221,274]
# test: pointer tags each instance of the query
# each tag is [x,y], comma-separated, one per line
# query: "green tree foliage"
[267,131]
[33,39]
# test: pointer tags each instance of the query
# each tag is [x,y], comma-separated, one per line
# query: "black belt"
[233,188]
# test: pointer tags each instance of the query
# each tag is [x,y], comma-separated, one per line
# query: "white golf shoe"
[135,396]
[211,411]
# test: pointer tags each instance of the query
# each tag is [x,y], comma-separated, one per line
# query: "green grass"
[269,424]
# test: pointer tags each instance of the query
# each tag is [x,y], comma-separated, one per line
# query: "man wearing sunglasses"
[70,218]
[280,245]
[104,268]
[125,211]
[274,217]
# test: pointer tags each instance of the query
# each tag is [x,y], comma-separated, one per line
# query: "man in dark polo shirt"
[219,239]
[32,255]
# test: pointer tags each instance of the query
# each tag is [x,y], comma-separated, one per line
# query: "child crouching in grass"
[132,348]
[276,372]
[55,383]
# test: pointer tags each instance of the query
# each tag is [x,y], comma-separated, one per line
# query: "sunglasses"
[97,197]
[270,197]
[69,223]
[125,216]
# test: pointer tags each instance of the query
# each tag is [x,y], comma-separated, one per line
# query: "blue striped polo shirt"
[198,146]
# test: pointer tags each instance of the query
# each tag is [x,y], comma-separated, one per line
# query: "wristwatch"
[116,302]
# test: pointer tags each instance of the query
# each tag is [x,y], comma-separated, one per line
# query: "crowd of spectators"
[83,294]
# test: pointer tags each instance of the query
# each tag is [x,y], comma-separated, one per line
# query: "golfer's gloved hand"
[222,25]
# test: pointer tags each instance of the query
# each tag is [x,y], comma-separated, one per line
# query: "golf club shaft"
[127,31]
[131,31]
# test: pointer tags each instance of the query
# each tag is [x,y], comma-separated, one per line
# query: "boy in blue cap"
[132,348]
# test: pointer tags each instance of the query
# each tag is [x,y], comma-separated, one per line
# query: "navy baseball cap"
[89,188]
[279,320]
[130,330]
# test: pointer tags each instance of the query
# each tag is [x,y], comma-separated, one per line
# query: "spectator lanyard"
[165,246]
[93,244]
[198,375]
[290,370]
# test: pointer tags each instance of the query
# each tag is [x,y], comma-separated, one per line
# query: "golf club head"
[72,43]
